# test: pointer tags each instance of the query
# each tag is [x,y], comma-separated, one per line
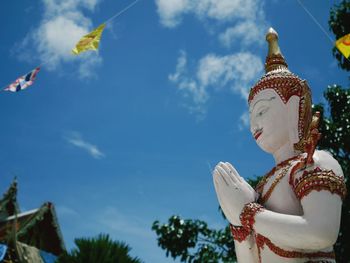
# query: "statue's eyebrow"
[269,99]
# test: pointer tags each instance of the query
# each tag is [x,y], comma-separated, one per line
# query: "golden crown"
[286,84]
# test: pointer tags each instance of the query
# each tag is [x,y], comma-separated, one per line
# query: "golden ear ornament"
[309,142]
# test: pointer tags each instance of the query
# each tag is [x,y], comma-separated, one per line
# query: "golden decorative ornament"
[263,199]
[318,179]
[285,166]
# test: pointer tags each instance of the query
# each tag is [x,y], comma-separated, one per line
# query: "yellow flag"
[89,41]
[343,44]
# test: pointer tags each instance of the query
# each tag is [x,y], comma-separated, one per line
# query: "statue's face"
[269,120]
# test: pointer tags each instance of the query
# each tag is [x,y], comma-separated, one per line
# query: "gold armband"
[319,180]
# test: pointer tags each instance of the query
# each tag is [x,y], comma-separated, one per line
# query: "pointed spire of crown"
[274,59]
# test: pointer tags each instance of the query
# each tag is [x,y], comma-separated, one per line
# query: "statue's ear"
[293,118]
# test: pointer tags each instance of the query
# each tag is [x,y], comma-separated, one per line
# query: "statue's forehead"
[262,96]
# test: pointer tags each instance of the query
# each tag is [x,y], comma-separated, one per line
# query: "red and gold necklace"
[260,187]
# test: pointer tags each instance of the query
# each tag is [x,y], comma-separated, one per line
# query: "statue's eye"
[261,112]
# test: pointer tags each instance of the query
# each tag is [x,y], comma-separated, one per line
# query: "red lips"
[257,134]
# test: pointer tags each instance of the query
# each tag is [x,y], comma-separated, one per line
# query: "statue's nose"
[254,125]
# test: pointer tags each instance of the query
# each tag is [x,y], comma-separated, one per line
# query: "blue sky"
[123,137]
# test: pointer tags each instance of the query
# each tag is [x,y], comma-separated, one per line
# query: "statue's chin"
[267,145]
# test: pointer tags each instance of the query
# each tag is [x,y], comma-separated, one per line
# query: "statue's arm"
[246,251]
[316,229]
[320,196]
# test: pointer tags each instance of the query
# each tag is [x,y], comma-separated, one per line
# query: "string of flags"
[343,45]
[23,82]
[91,41]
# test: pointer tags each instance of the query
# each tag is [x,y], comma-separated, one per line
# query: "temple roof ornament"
[31,232]
[8,203]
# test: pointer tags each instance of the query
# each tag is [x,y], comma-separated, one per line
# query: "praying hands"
[232,190]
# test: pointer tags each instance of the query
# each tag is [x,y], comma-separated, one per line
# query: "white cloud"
[239,23]
[244,120]
[243,20]
[75,139]
[189,87]
[180,67]
[237,72]
[172,11]
[65,211]
[226,10]
[62,25]
[55,38]
[119,222]
[86,68]
[245,33]
[55,7]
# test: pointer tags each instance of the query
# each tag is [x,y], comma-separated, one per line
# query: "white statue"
[294,213]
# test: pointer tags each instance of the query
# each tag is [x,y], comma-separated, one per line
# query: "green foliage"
[193,241]
[339,24]
[254,181]
[100,249]
[335,129]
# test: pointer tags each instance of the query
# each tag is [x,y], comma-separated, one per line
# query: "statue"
[293,215]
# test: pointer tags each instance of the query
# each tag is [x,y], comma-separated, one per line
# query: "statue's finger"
[225,167]
[219,178]
[234,178]
[234,171]
[230,174]
[229,178]
[223,176]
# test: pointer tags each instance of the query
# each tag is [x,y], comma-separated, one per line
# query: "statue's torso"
[282,198]
[276,194]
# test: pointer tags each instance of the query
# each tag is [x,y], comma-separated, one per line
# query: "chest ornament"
[283,169]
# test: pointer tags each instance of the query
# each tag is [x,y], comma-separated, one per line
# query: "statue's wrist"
[248,214]
[239,233]
[247,217]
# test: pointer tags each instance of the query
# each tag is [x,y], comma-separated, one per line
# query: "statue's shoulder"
[324,173]
[325,161]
